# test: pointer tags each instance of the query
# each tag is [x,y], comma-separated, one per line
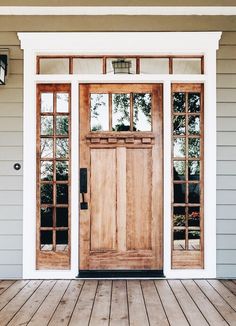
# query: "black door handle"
[83,187]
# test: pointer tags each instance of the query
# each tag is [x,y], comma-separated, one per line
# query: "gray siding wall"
[11,151]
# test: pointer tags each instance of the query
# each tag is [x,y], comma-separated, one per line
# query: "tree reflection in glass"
[46,171]
[142,104]
[179,147]
[62,171]
[46,194]
[62,194]
[62,125]
[179,125]
[193,170]
[62,102]
[179,170]
[47,125]
[179,104]
[194,102]
[46,148]
[99,110]
[194,125]
[120,112]
[194,147]
[62,148]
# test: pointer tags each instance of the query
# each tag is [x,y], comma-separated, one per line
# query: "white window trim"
[205,43]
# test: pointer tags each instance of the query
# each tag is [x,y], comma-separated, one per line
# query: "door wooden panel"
[122,227]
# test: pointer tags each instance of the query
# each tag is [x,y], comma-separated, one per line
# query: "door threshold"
[119,274]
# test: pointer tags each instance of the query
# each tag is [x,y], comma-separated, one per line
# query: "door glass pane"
[46,194]
[179,103]
[194,170]
[194,193]
[194,102]
[142,104]
[46,240]
[62,125]
[62,102]
[62,148]
[179,147]
[179,216]
[194,125]
[46,102]
[120,112]
[194,216]
[61,240]
[179,125]
[179,193]
[179,239]
[99,109]
[194,240]
[62,194]
[194,147]
[62,217]
[179,170]
[154,66]
[46,148]
[46,217]
[46,171]
[62,170]
[46,125]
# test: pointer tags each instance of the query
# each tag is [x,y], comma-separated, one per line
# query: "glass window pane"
[179,240]
[61,240]
[62,217]
[46,102]
[62,125]
[54,66]
[99,109]
[62,170]
[179,170]
[194,104]
[179,102]
[179,125]
[193,170]
[179,193]
[87,66]
[47,194]
[62,194]
[154,66]
[179,216]
[142,103]
[194,125]
[179,147]
[46,148]
[46,171]
[46,217]
[187,66]
[62,102]
[194,147]
[194,193]
[194,216]
[120,112]
[47,125]
[110,69]
[62,148]
[194,240]
[46,240]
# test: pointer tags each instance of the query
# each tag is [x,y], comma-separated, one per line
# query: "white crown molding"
[117,10]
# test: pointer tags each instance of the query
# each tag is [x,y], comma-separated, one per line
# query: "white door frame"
[142,43]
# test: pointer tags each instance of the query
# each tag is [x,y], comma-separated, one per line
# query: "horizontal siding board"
[226,227]
[226,95]
[226,153]
[11,153]
[225,241]
[11,109]
[10,227]
[226,256]
[228,38]
[226,197]
[226,167]
[9,38]
[11,197]
[11,271]
[11,242]
[226,52]
[11,212]
[11,139]
[226,212]
[11,124]
[11,95]
[11,257]
[16,67]
[11,183]
[226,138]
[14,81]
[7,168]
[226,182]
[226,124]
[226,66]
[226,81]
[226,109]
[226,271]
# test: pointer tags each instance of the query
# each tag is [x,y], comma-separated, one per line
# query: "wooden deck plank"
[229,297]
[46,310]
[101,309]
[4,285]
[25,314]
[208,310]
[137,310]
[224,309]
[156,313]
[119,306]
[191,311]
[66,306]
[230,285]
[11,292]
[82,312]
[8,312]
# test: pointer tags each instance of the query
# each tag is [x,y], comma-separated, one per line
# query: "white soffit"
[118,10]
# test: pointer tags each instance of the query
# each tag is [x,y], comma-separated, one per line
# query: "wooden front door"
[121,167]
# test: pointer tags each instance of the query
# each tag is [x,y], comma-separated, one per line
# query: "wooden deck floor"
[119,303]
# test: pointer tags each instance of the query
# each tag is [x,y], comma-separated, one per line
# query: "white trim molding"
[203,43]
[118,10]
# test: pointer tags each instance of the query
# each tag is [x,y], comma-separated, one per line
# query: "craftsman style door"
[121,171]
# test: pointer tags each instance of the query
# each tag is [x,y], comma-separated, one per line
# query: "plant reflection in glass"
[99,112]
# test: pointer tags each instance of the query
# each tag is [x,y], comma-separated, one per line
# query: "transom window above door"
[121,111]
